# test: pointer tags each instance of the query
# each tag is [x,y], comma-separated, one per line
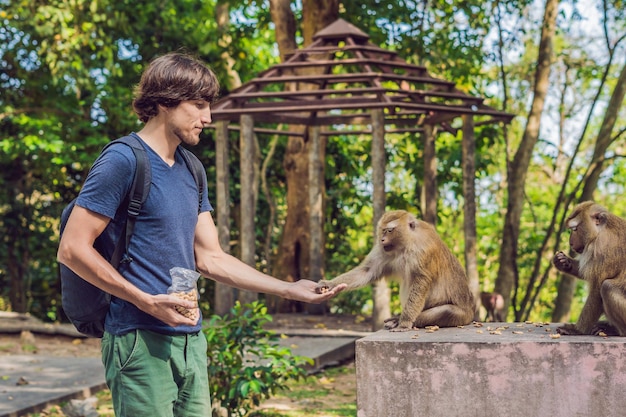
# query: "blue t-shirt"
[163,237]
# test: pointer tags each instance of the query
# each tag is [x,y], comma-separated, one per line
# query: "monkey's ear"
[412,224]
[599,218]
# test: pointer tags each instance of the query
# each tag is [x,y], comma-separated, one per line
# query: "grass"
[330,393]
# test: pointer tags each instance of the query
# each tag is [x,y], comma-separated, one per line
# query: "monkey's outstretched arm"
[358,277]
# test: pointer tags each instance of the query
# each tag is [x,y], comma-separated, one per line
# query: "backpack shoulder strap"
[136,197]
[197,170]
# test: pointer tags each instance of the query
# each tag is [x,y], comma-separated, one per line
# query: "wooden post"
[380,290]
[249,192]
[316,213]
[224,294]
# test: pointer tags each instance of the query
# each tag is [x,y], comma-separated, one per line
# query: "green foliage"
[246,362]
[68,69]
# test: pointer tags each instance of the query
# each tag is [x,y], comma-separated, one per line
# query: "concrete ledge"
[499,369]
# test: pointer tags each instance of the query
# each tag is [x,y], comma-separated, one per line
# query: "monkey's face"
[387,238]
[584,228]
[395,234]
[576,242]
[395,229]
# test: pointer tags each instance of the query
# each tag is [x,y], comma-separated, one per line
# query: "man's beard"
[189,139]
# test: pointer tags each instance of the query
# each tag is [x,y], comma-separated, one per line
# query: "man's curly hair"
[170,79]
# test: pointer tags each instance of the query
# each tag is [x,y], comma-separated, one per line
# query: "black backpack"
[84,304]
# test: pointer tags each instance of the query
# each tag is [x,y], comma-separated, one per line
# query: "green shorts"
[156,375]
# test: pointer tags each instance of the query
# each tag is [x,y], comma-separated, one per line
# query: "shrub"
[246,363]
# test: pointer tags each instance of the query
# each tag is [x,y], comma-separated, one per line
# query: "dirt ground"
[27,343]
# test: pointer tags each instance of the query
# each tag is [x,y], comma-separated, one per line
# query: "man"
[155,357]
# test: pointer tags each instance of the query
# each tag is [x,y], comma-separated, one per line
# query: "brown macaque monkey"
[434,289]
[599,239]
[494,304]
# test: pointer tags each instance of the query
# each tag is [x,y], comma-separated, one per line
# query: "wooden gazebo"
[340,81]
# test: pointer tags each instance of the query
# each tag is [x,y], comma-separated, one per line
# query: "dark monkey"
[434,289]
[599,239]
[494,304]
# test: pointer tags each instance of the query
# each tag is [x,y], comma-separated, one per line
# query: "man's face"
[187,120]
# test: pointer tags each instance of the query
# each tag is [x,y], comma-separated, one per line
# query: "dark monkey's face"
[584,226]
[576,241]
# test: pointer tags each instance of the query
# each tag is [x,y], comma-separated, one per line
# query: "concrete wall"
[497,370]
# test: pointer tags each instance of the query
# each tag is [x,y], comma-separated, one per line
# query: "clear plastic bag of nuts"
[185,286]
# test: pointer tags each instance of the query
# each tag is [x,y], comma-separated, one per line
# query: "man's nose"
[206,117]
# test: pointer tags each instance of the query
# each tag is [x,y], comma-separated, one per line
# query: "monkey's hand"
[562,262]
[402,328]
[392,322]
[604,328]
[568,329]
[323,286]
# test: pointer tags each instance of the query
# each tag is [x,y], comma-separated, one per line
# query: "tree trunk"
[285,26]
[604,139]
[468,161]
[507,279]
[222,17]
[225,295]
[17,234]
[429,190]
[316,15]
[294,260]
[285,266]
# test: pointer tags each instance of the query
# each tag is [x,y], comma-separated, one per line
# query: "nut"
[191,296]
[322,289]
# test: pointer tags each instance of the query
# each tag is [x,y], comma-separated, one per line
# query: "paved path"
[29,383]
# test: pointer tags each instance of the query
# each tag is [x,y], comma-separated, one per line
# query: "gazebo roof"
[339,78]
